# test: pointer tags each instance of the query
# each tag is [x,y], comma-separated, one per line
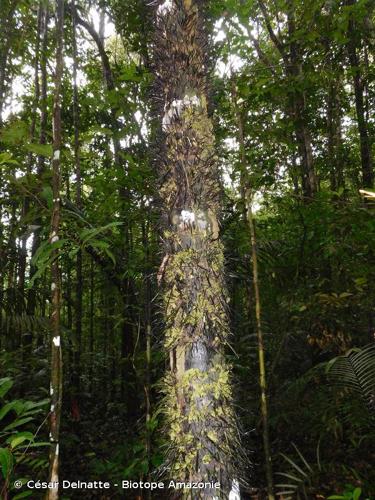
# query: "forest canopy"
[187,238]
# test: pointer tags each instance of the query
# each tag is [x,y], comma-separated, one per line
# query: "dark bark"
[335,157]
[353,46]
[26,202]
[296,107]
[32,294]
[92,316]
[299,108]
[108,77]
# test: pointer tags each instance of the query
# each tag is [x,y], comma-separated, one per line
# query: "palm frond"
[356,371]
[22,322]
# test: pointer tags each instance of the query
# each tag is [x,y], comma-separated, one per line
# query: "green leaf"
[19,438]
[30,405]
[36,445]
[110,255]
[15,133]
[88,234]
[6,158]
[17,423]
[357,493]
[24,494]
[15,405]
[6,462]
[100,130]
[40,149]
[5,384]
[47,195]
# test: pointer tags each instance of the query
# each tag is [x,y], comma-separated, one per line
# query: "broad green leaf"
[6,461]
[88,234]
[6,158]
[110,255]
[357,493]
[19,438]
[5,384]
[16,405]
[47,195]
[15,133]
[40,149]
[30,405]
[35,445]
[18,423]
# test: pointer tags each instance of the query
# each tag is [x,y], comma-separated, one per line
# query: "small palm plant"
[301,476]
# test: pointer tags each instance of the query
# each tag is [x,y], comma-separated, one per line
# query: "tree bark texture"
[201,421]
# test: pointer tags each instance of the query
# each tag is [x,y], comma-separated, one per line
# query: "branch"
[107,72]
[108,76]
[280,47]
[367,194]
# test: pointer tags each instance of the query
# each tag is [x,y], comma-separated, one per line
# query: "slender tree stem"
[77,160]
[56,353]
[247,199]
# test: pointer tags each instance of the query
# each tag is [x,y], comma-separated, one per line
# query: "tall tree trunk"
[32,294]
[77,160]
[296,106]
[299,108]
[148,335]
[247,198]
[198,390]
[108,78]
[91,322]
[364,139]
[335,157]
[56,357]
[26,201]
[7,23]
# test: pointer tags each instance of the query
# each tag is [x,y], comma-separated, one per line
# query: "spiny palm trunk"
[198,393]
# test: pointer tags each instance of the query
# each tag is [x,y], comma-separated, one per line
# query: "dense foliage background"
[297,77]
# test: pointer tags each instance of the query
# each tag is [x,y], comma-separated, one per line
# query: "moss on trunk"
[198,398]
